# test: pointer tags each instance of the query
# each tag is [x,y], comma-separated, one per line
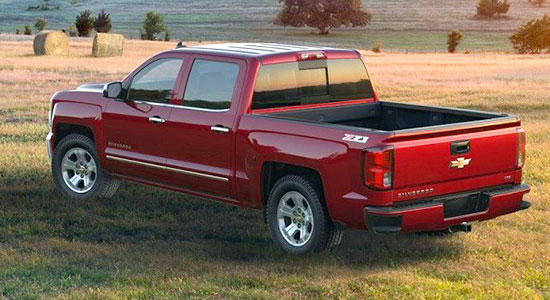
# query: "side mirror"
[112,90]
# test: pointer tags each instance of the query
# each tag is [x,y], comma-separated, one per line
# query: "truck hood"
[86,93]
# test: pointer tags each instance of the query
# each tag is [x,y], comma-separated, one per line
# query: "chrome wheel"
[79,170]
[295,218]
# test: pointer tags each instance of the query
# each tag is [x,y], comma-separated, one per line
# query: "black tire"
[323,235]
[105,185]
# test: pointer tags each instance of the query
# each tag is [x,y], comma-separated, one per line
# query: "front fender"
[82,114]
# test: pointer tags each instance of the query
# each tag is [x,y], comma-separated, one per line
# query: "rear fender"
[325,157]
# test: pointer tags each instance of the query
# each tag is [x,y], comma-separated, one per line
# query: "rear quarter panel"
[316,146]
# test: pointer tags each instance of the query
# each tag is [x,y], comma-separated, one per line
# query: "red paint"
[185,142]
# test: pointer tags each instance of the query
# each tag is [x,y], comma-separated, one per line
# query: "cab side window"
[155,82]
[211,84]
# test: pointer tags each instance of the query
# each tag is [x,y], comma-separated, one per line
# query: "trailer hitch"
[464,227]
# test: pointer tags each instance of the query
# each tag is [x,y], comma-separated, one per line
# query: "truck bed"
[391,116]
[428,136]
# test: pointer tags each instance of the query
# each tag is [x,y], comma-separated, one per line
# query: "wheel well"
[63,130]
[273,171]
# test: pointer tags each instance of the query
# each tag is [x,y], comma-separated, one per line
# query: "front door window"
[155,82]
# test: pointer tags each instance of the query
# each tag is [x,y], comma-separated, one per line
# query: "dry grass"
[146,243]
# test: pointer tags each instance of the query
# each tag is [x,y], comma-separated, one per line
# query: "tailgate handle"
[460,147]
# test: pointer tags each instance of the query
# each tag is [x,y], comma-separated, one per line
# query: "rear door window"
[211,84]
[308,82]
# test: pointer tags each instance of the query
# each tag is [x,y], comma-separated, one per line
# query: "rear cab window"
[294,84]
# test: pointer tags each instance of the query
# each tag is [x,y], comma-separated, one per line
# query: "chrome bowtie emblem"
[460,163]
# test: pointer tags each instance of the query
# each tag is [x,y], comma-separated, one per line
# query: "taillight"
[520,161]
[378,168]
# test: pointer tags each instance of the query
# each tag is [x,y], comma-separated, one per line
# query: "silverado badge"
[460,163]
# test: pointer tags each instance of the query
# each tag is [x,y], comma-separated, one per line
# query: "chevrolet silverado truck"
[296,131]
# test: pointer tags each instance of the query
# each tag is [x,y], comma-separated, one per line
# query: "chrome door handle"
[156,119]
[220,129]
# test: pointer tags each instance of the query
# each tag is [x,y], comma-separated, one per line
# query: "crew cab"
[296,131]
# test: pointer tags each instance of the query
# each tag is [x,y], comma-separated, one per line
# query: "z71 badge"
[355,138]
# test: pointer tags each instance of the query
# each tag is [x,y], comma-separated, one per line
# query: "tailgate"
[429,160]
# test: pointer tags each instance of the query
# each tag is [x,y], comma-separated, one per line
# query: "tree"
[28,29]
[103,22]
[167,36]
[40,24]
[537,3]
[72,30]
[490,8]
[152,25]
[533,37]
[84,23]
[377,48]
[502,8]
[453,39]
[322,14]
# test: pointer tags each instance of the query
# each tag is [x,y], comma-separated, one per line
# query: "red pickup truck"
[296,131]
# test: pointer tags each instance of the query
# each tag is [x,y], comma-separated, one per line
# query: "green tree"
[28,29]
[72,30]
[322,14]
[152,25]
[453,39]
[84,23]
[103,22]
[537,3]
[40,24]
[490,8]
[533,37]
[167,36]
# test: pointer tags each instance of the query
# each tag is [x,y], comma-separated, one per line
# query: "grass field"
[400,24]
[151,244]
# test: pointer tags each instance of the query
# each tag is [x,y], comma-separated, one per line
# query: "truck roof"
[265,51]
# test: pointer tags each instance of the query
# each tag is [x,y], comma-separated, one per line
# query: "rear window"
[310,82]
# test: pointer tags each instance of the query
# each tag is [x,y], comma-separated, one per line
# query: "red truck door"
[202,128]
[135,128]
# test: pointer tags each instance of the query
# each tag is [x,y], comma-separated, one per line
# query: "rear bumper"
[443,212]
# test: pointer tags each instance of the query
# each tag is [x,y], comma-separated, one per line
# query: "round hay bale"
[50,42]
[108,44]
